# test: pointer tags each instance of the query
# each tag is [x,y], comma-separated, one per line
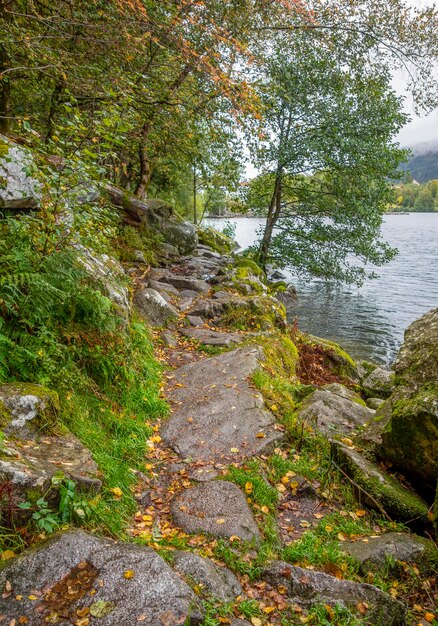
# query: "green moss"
[255,313]
[250,266]
[4,148]
[337,360]
[47,419]
[215,240]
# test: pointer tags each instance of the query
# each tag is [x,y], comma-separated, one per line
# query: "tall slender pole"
[195,217]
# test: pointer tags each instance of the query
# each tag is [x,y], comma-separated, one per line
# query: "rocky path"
[220,423]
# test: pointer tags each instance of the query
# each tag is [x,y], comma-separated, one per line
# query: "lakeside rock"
[405,428]
[380,491]
[330,413]
[215,581]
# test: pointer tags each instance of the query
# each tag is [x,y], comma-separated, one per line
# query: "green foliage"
[415,197]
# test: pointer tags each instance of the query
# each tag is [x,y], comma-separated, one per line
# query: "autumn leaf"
[117,492]
[128,574]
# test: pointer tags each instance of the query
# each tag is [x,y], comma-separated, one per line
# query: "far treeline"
[412,196]
[171,98]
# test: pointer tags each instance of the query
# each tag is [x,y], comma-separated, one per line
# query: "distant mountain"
[424,164]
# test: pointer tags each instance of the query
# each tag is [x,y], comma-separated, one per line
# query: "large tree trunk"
[274,212]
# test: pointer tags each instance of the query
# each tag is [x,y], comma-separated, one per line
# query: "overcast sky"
[421,130]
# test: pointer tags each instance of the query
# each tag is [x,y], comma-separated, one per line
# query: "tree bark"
[274,212]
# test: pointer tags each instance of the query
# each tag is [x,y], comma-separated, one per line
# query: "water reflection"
[369,321]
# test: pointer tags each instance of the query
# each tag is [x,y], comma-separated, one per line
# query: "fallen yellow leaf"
[128,574]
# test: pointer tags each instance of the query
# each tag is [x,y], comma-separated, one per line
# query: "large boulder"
[36,448]
[19,187]
[76,575]
[153,308]
[217,508]
[405,429]
[379,490]
[307,587]
[217,414]
[333,414]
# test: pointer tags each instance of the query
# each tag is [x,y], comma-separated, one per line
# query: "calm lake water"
[369,321]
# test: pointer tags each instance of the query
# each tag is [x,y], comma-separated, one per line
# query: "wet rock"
[119,583]
[380,491]
[330,413]
[213,337]
[217,414]
[240,622]
[153,308]
[308,587]
[376,553]
[195,320]
[214,580]
[375,403]
[36,448]
[218,508]
[380,383]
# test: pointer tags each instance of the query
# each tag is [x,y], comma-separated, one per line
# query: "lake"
[369,321]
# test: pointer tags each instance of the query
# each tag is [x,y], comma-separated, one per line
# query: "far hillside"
[423,167]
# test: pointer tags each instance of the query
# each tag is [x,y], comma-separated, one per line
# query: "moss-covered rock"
[405,429]
[336,359]
[28,408]
[379,490]
[216,240]
[36,447]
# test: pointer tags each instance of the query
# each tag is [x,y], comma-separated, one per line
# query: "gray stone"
[188,293]
[180,234]
[121,583]
[344,392]
[331,414]
[18,188]
[168,250]
[195,320]
[36,448]
[378,490]
[181,282]
[240,622]
[219,295]
[110,273]
[209,254]
[380,383]
[164,287]
[214,580]
[153,308]
[169,339]
[308,587]
[375,403]
[216,411]
[373,553]
[213,337]
[217,508]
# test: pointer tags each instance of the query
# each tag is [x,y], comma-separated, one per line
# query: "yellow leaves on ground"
[7,554]
[256,621]
[248,488]
[234,450]
[360,513]
[128,574]
[429,617]
[117,492]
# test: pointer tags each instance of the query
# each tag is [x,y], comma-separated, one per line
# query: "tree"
[326,153]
